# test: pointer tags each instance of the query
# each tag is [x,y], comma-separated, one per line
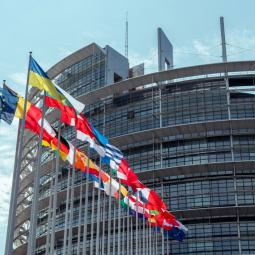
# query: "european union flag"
[8,104]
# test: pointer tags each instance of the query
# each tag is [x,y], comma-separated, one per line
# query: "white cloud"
[241,45]
[64,52]
[19,78]
[5,191]
[8,136]
[150,60]
[201,48]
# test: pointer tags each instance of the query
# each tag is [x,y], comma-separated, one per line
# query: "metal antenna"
[223,41]
[126,37]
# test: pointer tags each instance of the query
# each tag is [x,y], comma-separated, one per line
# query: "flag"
[149,196]
[9,101]
[85,134]
[55,96]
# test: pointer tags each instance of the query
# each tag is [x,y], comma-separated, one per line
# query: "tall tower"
[165,52]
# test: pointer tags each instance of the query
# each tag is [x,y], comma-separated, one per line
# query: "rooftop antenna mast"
[126,37]
[223,40]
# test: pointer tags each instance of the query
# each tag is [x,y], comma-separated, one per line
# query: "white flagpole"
[98,211]
[55,194]
[70,227]
[109,217]
[119,220]
[67,211]
[128,237]
[34,209]
[92,222]
[16,174]
[137,227]
[85,226]
[49,215]
[103,231]
[79,219]
[114,227]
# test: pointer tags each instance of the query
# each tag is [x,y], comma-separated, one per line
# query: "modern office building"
[184,134]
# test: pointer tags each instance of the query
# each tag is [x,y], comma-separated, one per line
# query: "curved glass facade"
[184,140]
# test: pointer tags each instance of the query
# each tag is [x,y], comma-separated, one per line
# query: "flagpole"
[67,211]
[156,243]
[16,174]
[109,217]
[163,239]
[98,211]
[131,233]
[85,226]
[128,237]
[103,219]
[92,222]
[99,195]
[34,209]
[79,219]
[49,215]
[119,220]
[70,223]
[122,234]
[150,239]
[70,227]
[143,244]
[52,241]
[136,220]
[114,227]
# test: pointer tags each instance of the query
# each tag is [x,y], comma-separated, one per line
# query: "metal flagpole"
[79,219]
[156,243]
[131,234]
[162,230]
[122,233]
[49,215]
[16,174]
[34,209]
[103,230]
[99,192]
[85,226]
[128,237]
[109,218]
[144,236]
[137,227]
[70,227]
[67,211]
[70,223]
[119,219]
[52,240]
[146,239]
[92,222]
[149,239]
[114,227]
[98,211]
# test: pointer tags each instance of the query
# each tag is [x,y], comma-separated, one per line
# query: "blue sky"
[52,29]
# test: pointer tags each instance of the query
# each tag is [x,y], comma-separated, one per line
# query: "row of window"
[207,238]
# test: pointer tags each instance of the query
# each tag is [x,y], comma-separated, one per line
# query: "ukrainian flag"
[39,79]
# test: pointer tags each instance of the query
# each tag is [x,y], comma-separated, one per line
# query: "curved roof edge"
[72,59]
[157,77]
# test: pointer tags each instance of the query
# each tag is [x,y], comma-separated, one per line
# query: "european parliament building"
[182,131]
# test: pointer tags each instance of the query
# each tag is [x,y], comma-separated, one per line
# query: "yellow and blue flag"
[39,79]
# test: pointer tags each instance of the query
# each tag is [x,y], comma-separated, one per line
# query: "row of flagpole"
[135,241]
